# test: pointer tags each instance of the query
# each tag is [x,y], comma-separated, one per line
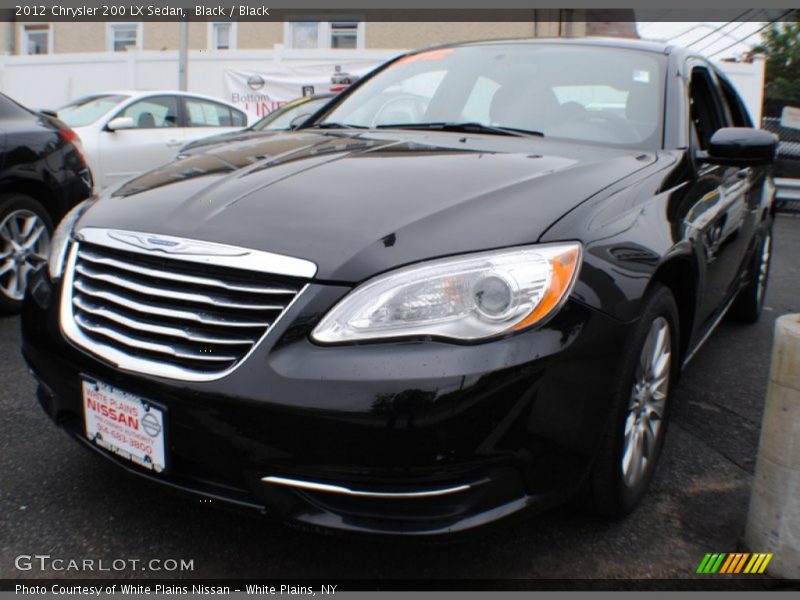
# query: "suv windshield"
[587,93]
[87,110]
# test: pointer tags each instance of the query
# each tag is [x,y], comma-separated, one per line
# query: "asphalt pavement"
[58,499]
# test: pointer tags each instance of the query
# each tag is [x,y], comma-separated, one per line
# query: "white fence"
[50,81]
[749,81]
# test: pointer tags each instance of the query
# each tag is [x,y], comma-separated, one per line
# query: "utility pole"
[183,57]
[11,37]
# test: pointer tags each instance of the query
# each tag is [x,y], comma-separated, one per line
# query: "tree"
[781,44]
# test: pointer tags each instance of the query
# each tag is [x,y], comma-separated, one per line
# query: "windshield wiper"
[468,127]
[333,125]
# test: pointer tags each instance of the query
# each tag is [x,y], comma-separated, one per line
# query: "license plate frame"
[125,424]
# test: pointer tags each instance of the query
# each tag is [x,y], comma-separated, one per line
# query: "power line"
[759,30]
[683,33]
[730,31]
[701,38]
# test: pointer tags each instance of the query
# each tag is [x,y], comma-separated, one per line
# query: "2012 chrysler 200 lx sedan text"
[464,288]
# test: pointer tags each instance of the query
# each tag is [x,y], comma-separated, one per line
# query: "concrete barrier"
[773,522]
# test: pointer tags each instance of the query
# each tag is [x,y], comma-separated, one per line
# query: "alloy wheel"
[644,423]
[24,245]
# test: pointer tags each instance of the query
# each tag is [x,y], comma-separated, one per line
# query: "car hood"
[359,203]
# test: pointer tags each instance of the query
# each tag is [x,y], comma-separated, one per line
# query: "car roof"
[144,93]
[610,42]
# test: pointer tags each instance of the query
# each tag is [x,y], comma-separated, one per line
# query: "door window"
[739,117]
[153,113]
[205,113]
[706,109]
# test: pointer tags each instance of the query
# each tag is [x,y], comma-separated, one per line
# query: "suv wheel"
[25,229]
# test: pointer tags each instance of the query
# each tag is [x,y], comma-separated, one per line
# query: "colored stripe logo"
[734,563]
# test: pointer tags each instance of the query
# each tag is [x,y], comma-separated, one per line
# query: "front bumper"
[415,437]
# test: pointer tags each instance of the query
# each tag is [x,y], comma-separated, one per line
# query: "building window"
[124,36]
[324,34]
[37,39]
[304,35]
[344,34]
[222,36]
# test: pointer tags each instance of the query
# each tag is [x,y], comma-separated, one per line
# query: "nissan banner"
[260,92]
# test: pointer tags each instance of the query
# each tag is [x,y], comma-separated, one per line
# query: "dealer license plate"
[125,424]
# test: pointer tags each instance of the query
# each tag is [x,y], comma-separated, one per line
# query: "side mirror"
[298,120]
[120,123]
[741,147]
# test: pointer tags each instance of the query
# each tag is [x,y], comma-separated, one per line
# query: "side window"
[205,113]
[704,107]
[153,113]
[736,108]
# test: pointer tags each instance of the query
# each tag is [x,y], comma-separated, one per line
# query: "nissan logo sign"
[255,82]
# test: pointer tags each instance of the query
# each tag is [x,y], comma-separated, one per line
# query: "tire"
[610,489]
[25,231]
[750,300]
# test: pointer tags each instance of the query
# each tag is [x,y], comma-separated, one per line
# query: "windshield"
[283,117]
[88,110]
[587,93]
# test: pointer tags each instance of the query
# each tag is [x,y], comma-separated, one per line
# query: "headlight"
[60,240]
[469,297]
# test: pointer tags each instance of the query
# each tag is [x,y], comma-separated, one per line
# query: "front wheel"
[25,229]
[634,435]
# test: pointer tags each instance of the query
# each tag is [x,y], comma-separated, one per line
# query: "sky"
[708,38]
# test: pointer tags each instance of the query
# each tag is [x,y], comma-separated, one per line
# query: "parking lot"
[58,499]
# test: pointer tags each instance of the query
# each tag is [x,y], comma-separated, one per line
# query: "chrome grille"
[166,315]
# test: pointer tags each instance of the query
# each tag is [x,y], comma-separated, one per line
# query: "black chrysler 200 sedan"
[465,288]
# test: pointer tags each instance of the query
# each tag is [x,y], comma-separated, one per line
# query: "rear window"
[206,113]
[9,109]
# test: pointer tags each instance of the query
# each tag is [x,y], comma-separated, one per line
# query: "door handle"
[174,143]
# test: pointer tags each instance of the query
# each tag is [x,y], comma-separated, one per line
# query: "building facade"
[20,38]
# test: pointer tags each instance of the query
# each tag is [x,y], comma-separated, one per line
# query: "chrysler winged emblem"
[174,245]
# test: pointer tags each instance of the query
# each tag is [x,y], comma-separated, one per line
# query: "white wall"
[50,81]
[748,78]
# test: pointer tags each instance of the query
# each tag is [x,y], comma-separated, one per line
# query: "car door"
[720,215]
[151,142]
[755,176]
[205,118]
